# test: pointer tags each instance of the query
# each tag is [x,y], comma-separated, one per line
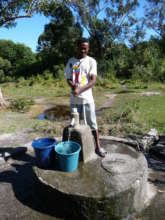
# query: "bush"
[160,74]
[106,68]
[110,82]
[58,71]
[21,105]
[21,82]
[140,72]
[48,77]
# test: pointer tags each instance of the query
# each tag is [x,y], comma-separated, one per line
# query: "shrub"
[58,71]
[21,82]
[21,105]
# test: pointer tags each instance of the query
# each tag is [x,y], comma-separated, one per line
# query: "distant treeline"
[145,61]
[141,60]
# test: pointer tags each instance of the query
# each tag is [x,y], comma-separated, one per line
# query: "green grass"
[151,112]
[12,90]
[131,112]
[14,122]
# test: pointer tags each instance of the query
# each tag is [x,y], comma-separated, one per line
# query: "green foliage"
[144,62]
[141,61]
[123,119]
[155,16]
[106,68]
[141,72]
[58,71]
[10,10]
[48,128]
[14,60]
[133,114]
[116,24]
[21,105]
[58,42]
[22,82]
[16,53]
[161,72]
[136,84]
[109,82]
[40,79]
[5,70]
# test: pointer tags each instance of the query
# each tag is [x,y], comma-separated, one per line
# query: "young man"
[81,74]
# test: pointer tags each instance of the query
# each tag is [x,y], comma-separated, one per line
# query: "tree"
[57,43]
[5,69]
[155,16]
[18,55]
[107,21]
[12,10]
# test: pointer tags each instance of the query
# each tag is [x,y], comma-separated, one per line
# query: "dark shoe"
[100,151]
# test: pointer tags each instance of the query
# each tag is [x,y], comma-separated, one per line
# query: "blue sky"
[28,30]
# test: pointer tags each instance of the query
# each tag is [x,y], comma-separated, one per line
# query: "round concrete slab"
[112,188]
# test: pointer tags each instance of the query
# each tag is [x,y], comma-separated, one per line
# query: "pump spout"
[72,123]
[74,118]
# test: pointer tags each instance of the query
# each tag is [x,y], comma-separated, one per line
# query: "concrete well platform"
[111,188]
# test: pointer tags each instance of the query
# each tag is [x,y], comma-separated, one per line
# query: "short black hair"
[82,40]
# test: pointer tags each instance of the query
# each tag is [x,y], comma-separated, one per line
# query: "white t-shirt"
[80,70]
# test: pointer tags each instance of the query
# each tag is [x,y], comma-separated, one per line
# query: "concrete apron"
[113,188]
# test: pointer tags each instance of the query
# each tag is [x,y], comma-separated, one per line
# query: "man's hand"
[76,91]
[71,84]
[74,86]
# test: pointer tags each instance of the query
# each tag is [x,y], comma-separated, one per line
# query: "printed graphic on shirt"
[78,76]
[76,73]
[83,79]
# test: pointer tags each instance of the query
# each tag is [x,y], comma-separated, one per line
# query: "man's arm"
[71,84]
[91,82]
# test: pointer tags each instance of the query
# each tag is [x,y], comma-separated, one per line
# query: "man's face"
[83,49]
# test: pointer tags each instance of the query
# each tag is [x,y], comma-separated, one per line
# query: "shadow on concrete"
[154,162]
[21,176]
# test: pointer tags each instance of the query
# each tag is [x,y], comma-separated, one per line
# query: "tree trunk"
[2,101]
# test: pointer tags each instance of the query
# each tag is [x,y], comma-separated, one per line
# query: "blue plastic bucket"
[44,151]
[67,155]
